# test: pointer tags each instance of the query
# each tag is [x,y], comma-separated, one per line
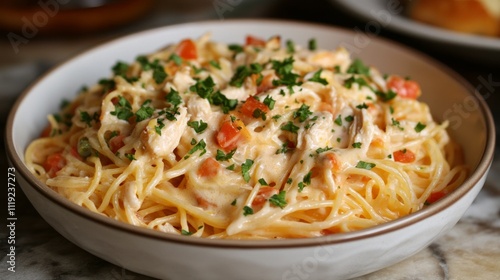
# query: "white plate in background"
[389,14]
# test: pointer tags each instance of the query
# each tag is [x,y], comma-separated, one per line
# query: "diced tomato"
[254,41]
[262,196]
[266,83]
[187,49]
[332,162]
[252,104]
[54,163]
[404,88]
[209,168]
[435,196]
[228,135]
[116,143]
[46,131]
[404,156]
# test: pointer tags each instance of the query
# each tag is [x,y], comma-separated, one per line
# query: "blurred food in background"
[480,17]
[69,17]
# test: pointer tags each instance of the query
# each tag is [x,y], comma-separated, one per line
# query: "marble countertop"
[471,250]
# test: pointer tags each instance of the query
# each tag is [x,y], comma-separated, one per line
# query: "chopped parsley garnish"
[200,146]
[173,97]
[247,210]
[221,156]
[206,89]
[245,169]
[84,117]
[120,69]
[302,113]
[284,71]
[123,109]
[362,106]
[145,112]
[396,124]
[269,102]
[312,45]
[258,113]
[365,165]
[130,156]
[175,58]
[419,127]
[290,46]
[159,73]
[242,72]
[159,126]
[198,126]
[233,203]
[338,120]
[107,84]
[358,67]
[306,181]
[356,145]
[360,81]
[230,167]
[236,48]
[317,78]
[386,96]
[285,147]
[322,150]
[278,199]
[215,64]
[263,182]
[336,69]
[185,232]
[289,126]
[349,118]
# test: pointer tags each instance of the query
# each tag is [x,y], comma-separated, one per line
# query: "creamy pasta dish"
[260,140]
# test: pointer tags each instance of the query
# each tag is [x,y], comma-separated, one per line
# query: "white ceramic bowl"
[178,257]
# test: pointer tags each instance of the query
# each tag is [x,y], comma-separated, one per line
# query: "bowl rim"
[474,178]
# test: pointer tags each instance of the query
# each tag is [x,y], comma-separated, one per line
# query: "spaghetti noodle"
[255,141]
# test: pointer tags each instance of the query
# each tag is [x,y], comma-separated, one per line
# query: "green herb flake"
[185,232]
[145,112]
[338,120]
[290,46]
[215,64]
[130,156]
[312,44]
[200,146]
[245,169]
[358,67]
[365,165]
[317,78]
[302,113]
[198,126]
[175,58]
[419,127]
[221,156]
[289,126]
[123,109]
[278,199]
[247,210]
[263,182]
[356,145]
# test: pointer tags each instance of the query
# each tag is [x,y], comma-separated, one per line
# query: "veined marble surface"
[471,250]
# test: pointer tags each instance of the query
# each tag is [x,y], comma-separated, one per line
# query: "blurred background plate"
[390,14]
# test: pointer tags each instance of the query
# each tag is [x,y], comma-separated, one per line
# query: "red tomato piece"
[254,41]
[209,168]
[251,104]
[187,49]
[228,135]
[262,196]
[404,88]
[404,156]
[116,143]
[54,163]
